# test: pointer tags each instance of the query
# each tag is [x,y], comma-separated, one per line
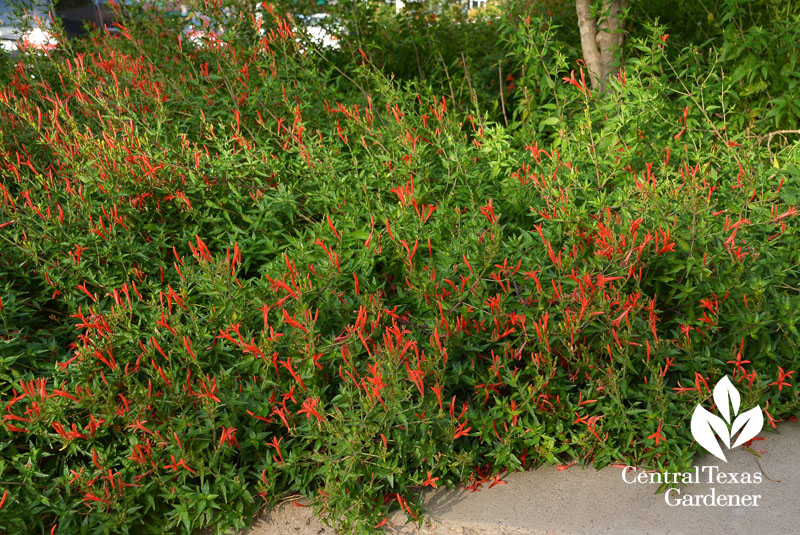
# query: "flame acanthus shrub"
[236,270]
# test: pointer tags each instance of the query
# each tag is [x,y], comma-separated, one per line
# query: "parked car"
[75,14]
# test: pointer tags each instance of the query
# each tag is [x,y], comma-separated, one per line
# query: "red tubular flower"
[658,436]
[376,380]
[330,224]
[89,497]
[276,443]
[180,463]
[431,481]
[668,245]
[228,435]
[158,347]
[685,112]
[488,212]
[82,287]
[437,389]
[291,321]
[310,409]
[461,431]
[783,378]
[187,343]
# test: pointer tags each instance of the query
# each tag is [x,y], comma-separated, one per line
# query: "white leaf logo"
[706,427]
[752,421]
[725,394]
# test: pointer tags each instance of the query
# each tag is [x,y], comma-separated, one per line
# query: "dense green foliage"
[233,271]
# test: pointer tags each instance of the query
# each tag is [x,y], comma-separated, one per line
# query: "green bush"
[235,272]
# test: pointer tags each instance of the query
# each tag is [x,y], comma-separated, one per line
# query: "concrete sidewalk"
[587,501]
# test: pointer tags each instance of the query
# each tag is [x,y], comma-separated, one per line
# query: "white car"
[25,24]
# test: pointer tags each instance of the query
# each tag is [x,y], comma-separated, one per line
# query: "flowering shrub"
[232,272]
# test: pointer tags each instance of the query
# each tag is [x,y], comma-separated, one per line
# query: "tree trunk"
[600,40]
[588,29]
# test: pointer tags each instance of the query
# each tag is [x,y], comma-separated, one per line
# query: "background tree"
[601,38]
